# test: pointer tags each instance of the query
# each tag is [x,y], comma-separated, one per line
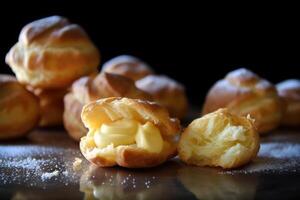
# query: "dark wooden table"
[40,167]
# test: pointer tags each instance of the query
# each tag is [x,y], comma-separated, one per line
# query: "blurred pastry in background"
[52,53]
[88,89]
[243,92]
[167,92]
[219,139]
[127,132]
[289,91]
[128,66]
[51,105]
[19,109]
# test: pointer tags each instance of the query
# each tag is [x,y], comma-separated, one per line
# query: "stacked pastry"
[164,90]
[124,115]
[51,53]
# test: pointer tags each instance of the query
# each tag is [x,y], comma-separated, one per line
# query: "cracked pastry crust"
[243,93]
[219,139]
[19,109]
[128,66]
[52,53]
[167,92]
[51,105]
[91,88]
[128,132]
[289,91]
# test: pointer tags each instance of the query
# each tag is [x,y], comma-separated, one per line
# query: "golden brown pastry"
[219,139]
[19,109]
[128,132]
[167,92]
[88,89]
[51,105]
[128,66]
[289,91]
[52,53]
[243,93]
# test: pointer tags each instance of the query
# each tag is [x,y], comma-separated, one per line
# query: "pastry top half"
[52,53]
[243,92]
[19,109]
[219,139]
[289,91]
[91,88]
[167,92]
[105,85]
[128,66]
[128,132]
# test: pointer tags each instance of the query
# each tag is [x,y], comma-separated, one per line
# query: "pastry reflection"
[211,184]
[120,183]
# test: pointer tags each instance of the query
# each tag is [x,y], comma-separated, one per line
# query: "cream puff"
[243,93]
[88,89]
[128,66]
[51,105]
[167,92]
[52,53]
[219,139]
[289,91]
[19,109]
[128,132]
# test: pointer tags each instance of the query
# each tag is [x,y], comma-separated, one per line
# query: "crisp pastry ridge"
[219,139]
[52,53]
[145,128]
[128,66]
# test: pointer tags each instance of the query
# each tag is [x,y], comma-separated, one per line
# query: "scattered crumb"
[65,173]
[49,175]
[77,164]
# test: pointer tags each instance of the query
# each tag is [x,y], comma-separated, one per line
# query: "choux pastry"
[19,109]
[52,53]
[167,92]
[243,93]
[128,132]
[219,139]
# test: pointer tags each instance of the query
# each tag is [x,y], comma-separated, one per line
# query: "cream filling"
[129,132]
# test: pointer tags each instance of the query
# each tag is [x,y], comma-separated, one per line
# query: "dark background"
[195,44]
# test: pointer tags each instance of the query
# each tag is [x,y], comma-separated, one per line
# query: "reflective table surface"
[41,167]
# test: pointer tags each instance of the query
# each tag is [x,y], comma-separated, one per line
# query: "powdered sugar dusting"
[35,166]
[49,175]
[280,150]
[274,157]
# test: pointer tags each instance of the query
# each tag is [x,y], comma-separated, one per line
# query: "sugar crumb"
[77,164]
[49,175]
